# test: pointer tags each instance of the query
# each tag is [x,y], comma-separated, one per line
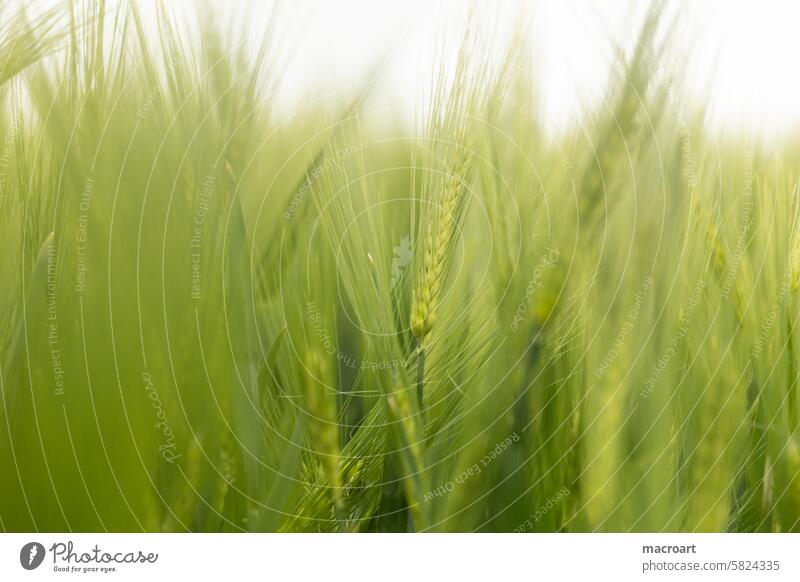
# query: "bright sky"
[743,54]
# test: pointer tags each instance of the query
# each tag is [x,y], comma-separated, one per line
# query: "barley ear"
[323,428]
[438,237]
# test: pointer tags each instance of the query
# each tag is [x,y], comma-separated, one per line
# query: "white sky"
[740,55]
[743,58]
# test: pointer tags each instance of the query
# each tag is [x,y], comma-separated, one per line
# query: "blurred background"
[740,55]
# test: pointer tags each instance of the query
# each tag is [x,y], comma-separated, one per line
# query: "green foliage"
[217,319]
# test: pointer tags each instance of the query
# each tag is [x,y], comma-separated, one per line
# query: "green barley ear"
[438,238]
[794,244]
[25,41]
[456,105]
[717,256]
[438,241]
[323,426]
[705,223]
[620,135]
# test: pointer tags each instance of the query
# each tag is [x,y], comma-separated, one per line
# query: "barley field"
[215,317]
